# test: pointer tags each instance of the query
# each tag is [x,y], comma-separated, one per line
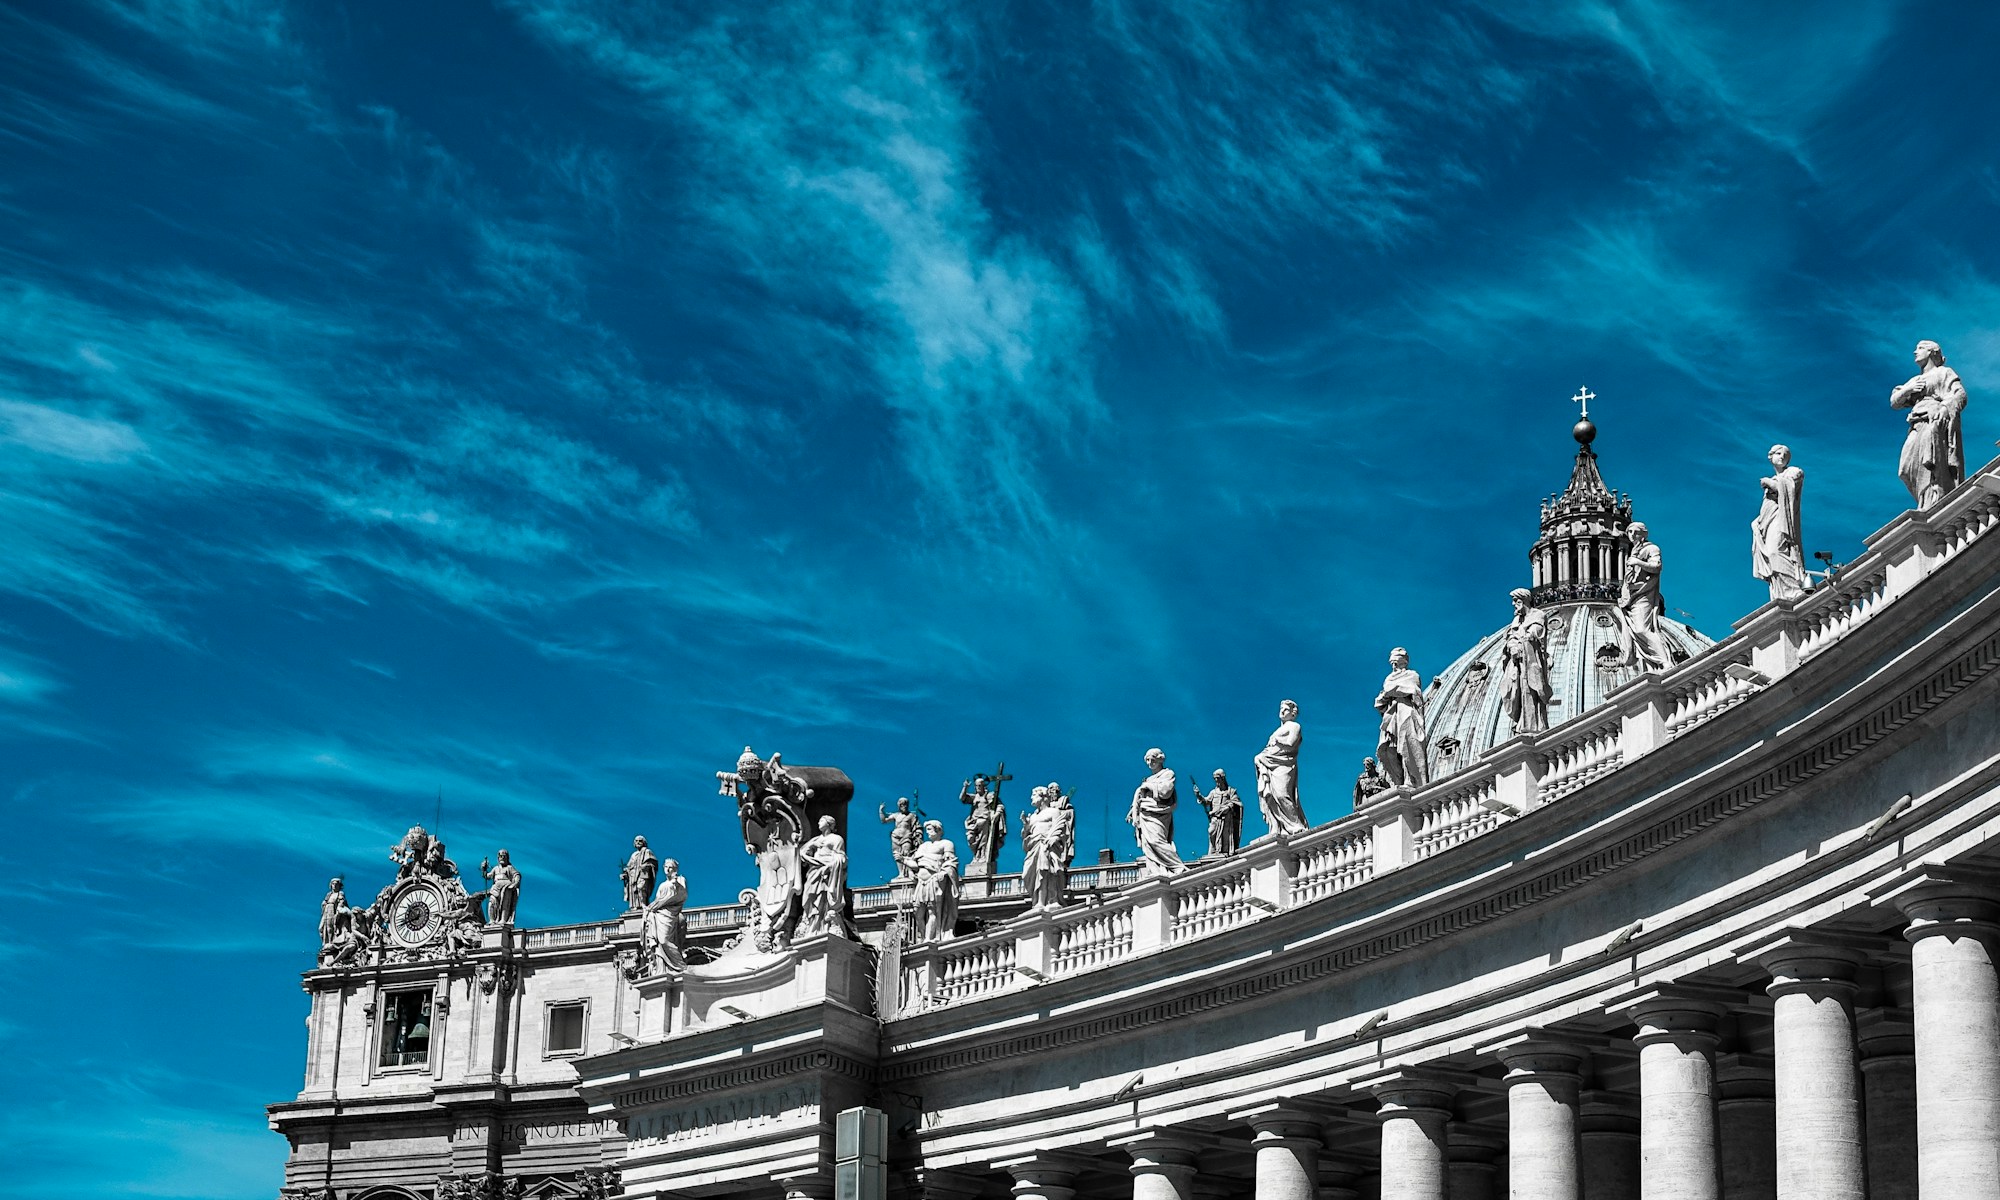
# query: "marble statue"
[504,882]
[1933,460]
[331,908]
[934,911]
[1776,553]
[1369,784]
[1048,845]
[1225,815]
[906,833]
[419,855]
[823,902]
[638,873]
[1524,679]
[1278,775]
[985,827]
[1642,643]
[1401,746]
[771,803]
[1152,817]
[663,930]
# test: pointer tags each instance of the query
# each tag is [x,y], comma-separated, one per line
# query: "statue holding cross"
[986,824]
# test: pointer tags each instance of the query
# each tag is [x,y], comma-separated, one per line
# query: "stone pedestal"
[1746,1111]
[1543,1090]
[1953,937]
[1820,1152]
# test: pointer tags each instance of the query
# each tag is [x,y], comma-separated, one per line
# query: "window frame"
[549,1007]
[387,1002]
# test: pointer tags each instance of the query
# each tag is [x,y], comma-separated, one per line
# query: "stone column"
[1287,1145]
[1162,1165]
[1889,1102]
[1953,937]
[1473,1150]
[1820,1153]
[1543,1089]
[1677,1147]
[1416,1105]
[1746,1115]
[1608,1125]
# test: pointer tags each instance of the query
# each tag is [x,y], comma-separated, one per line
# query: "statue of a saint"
[504,883]
[1278,775]
[906,833]
[934,914]
[1933,460]
[985,827]
[1369,784]
[1643,643]
[1225,815]
[1401,745]
[663,931]
[1152,817]
[1048,844]
[330,909]
[824,898]
[1524,679]
[1776,552]
[638,874]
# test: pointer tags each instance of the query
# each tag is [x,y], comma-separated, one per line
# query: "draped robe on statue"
[934,904]
[1278,780]
[1775,554]
[1645,643]
[1152,819]
[1525,681]
[1933,460]
[1402,749]
[1048,842]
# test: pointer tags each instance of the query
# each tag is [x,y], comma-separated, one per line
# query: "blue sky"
[537,402]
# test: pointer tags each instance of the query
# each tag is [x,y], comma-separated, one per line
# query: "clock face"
[417,916]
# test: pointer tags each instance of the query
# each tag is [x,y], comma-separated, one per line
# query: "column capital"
[1159,1152]
[1806,960]
[1683,1013]
[806,1185]
[1466,1142]
[1278,1121]
[1534,1053]
[1049,1173]
[1601,1111]
[1885,1035]
[1416,1090]
[1946,901]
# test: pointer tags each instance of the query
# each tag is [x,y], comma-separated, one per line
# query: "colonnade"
[1869,1104]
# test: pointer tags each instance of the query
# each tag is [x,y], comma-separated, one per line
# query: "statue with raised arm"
[663,930]
[934,904]
[1401,745]
[906,833]
[771,802]
[823,907]
[985,827]
[640,869]
[1933,460]
[1152,817]
[1642,643]
[1225,815]
[1776,551]
[1524,678]
[1048,845]
[1278,775]
[1369,784]
[504,884]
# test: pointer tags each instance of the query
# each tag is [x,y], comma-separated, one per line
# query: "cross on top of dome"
[1585,431]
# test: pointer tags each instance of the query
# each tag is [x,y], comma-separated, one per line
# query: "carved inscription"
[720,1120]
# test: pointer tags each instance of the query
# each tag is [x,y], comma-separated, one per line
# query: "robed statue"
[1048,845]
[1152,817]
[640,869]
[1933,460]
[1402,746]
[1776,552]
[823,907]
[1369,784]
[1642,641]
[663,930]
[1225,815]
[985,827]
[1278,775]
[504,889]
[906,833]
[934,902]
[1524,679]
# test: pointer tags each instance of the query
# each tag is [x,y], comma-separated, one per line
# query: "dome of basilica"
[1577,564]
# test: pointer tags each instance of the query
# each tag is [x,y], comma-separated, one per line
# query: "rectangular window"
[565,1025]
[406,1028]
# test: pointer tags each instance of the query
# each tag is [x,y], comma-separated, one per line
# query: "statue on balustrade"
[823,908]
[663,930]
[1152,817]
[1225,814]
[1369,784]
[1524,680]
[771,803]
[503,889]
[1777,555]
[1933,460]
[1278,775]
[638,873]
[1641,641]
[985,827]
[1404,753]
[906,833]
[934,904]
[330,908]
[1048,844]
